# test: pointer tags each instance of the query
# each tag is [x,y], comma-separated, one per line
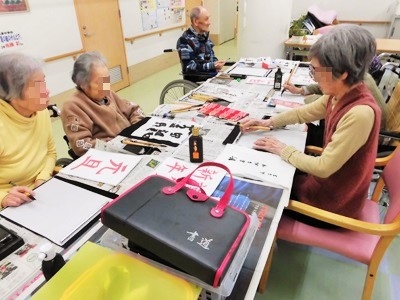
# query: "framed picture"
[10,6]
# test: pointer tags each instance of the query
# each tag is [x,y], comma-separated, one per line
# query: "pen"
[26,193]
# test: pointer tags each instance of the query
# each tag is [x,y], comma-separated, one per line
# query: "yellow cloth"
[27,149]
[98,273]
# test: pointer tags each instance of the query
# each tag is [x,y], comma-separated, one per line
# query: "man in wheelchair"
[195,49]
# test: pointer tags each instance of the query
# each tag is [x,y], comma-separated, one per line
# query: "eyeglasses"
[311,71]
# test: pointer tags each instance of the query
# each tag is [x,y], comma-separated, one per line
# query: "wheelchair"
[176,89]
[387,76]
[64,161]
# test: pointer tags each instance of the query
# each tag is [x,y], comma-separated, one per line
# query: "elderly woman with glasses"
[94,111]
[27,149]
[339,179]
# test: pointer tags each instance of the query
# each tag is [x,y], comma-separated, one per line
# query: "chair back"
[391,175]
[393,108]
[388,81]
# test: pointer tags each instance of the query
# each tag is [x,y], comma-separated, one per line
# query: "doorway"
[189,4]
[101,30]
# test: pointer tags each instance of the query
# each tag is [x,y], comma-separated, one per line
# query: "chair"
[388,75]
[365,240]
[61,162]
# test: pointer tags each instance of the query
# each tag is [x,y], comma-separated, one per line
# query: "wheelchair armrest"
[54,110]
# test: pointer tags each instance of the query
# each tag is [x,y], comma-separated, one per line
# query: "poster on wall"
[10,6]
[161,13]
[10,40]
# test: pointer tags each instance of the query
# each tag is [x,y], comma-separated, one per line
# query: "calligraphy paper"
[207,177]
[257,165]
[102,166]
[174,131]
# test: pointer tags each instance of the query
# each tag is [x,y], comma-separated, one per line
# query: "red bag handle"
[218,210]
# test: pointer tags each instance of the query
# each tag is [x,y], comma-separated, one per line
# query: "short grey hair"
[15,70]
[345,48]
[83,67]
[195,13]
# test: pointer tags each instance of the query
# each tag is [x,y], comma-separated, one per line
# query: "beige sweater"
[352,132]
[85,120]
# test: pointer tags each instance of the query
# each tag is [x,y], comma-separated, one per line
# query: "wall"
[370,10]
[147,47]
[49,29]
[223,17]
[261,32]
[262,27]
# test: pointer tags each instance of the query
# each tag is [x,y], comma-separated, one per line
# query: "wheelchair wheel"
[175,90]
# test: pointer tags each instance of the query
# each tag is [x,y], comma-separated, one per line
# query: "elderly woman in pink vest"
[339,179]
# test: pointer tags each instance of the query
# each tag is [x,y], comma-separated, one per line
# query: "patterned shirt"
[196,53]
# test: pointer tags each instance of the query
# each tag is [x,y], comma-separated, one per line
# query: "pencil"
[26,193]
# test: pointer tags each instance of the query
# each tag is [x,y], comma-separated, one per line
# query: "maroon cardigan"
[343,191]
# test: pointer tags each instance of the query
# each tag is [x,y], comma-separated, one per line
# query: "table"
[300,46]
[388,45]
[249,277]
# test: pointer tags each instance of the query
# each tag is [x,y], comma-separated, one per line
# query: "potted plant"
[297,27]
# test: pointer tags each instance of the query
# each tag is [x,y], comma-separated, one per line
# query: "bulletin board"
[146,16]
[40,33]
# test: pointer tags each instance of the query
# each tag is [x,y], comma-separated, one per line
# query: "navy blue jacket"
[197,55]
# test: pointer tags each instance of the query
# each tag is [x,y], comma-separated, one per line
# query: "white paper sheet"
[60,210]
[295,138]
[175,131]
[208,178]
[102,166]
[257,165]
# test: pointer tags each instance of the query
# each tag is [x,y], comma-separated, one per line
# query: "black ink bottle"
[52,262]
[196,146]
[278,79]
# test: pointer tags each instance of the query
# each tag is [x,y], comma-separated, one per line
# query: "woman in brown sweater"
[94,111]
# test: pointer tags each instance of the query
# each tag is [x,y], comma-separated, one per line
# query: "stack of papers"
[60,210]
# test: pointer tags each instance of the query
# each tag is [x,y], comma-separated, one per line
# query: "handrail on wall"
[57,57]
[160,32]
[361,22]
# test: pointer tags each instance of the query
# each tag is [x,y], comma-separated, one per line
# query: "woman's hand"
[270,144]
[293,89]
[248,124]
[17,196]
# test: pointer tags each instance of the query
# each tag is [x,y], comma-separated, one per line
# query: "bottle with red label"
[196,146]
